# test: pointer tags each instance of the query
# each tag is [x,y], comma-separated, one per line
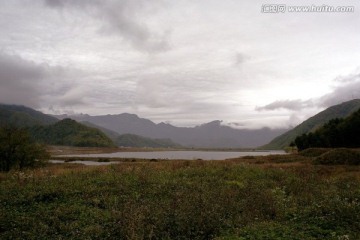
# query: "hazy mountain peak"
[164,124]
[215,123]
[130,115]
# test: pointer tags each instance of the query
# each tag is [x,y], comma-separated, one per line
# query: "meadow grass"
[234,199]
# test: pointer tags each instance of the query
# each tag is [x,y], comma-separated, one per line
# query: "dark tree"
[17,150]
[335,133]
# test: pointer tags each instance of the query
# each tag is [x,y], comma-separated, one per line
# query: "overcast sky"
[184,62]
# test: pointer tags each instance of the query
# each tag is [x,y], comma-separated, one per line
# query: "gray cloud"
[240,58]
[64,3]
[125,17]
[74,96]
[207,74]
[20,80]
[293,105]
[28,83]
[349,90]
[348,78]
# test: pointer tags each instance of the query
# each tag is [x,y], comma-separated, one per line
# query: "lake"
[89,163]
[186,155]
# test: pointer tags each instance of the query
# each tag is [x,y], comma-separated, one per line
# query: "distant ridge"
[132,140]
[342,110]
[21,116]
[49,130]
[213,134]
[68,132]
[109,133]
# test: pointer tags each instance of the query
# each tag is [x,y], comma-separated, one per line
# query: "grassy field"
[273,197]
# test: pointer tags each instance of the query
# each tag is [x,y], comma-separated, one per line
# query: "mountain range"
[130,130]
[212,134]
[50,130]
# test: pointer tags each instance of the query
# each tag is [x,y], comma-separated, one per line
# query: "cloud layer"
[293,105]
[125,18]
[20,80]
[347,88]
[183,62]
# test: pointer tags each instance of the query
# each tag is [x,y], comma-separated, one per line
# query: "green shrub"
[314,152]
[339,157]
[18,150]
[284,158]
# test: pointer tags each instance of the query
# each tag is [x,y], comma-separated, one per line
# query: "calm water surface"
[187,155]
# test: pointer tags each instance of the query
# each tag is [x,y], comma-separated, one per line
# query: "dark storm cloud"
[20,80]
[123,17]
[292,105]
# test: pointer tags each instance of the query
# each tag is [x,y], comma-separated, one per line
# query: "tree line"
[338,132]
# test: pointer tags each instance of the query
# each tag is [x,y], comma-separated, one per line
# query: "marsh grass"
[181,200]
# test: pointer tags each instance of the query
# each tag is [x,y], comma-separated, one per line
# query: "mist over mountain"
[212,134]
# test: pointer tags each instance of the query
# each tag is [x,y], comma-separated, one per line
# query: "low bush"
[314,152]
[340,156]
[284,158]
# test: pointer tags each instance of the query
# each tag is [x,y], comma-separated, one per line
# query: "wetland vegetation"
[254,197]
